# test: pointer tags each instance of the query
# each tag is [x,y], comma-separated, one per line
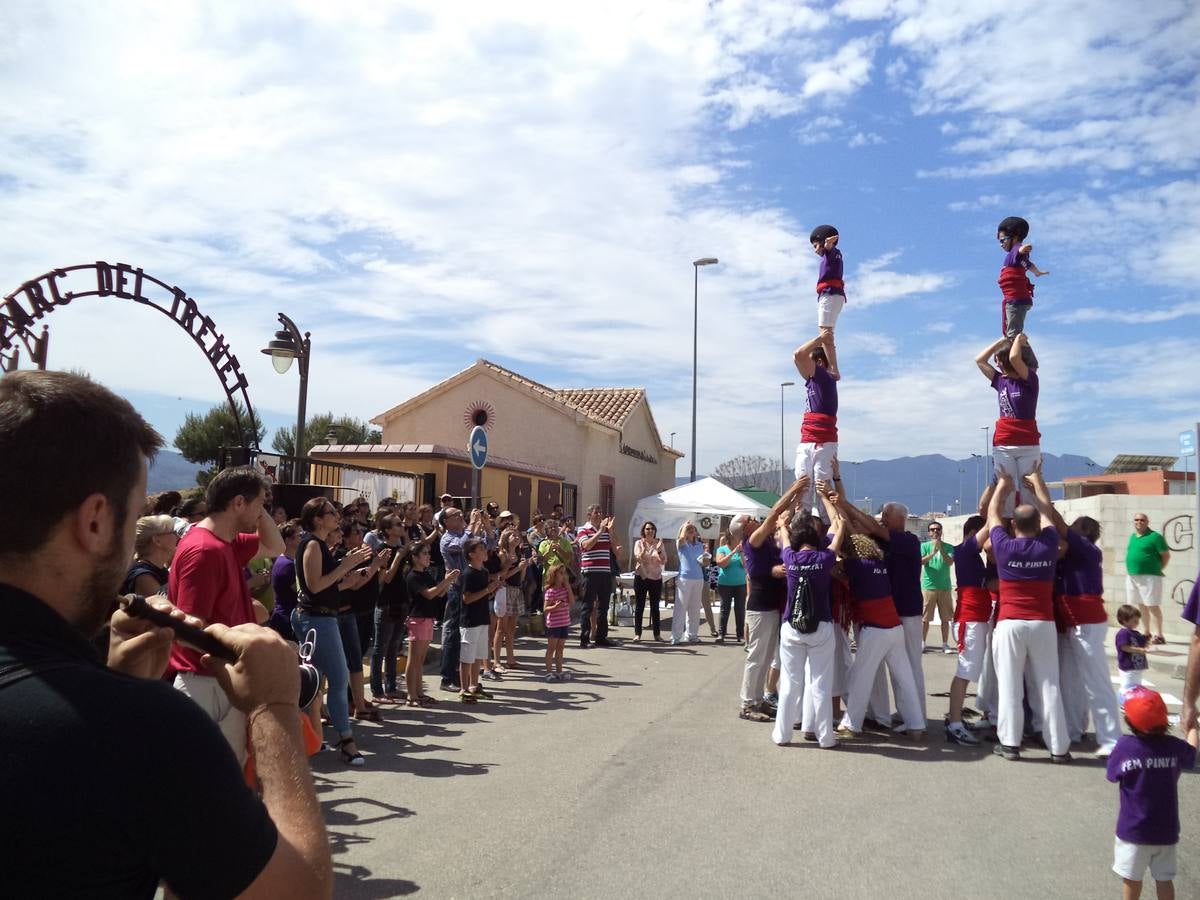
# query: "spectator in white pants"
[1146,555]
[806,637]
[1025,632]
[816,454]
[685,617]
[1016,448]
[765,599]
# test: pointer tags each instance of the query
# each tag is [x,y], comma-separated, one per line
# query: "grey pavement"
[637,779]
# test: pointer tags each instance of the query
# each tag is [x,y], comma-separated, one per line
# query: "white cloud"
[1127,317]
[985,201]
[862,139]
[874,282]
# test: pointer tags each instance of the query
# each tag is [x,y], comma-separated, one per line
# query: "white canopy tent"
[704,502]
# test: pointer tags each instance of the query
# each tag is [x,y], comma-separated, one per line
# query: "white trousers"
[1082,654]
[805,682]
[815,461]
[986,693]
[914,644]
[685,617]
[1017,462]
[842,660]
[761,645]
[877,646]
[1015,643]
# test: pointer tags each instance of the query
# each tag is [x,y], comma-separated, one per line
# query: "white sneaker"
[947,649]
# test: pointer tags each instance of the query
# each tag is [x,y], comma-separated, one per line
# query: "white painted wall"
[1173,516]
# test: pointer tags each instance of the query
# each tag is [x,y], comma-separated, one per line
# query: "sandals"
[350,758]
[368,714]
[426,701]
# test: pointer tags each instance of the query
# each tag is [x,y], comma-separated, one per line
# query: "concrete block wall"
[1173,516]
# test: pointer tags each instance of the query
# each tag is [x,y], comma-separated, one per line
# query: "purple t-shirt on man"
[903,554]
[1147,768]
[822,392]
[766,591]
[1191,611]
[1018,396]
[1081,571]
[830,270]
[815,565]
[969,568]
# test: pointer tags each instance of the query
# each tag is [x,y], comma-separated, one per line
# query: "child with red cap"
[1147,764]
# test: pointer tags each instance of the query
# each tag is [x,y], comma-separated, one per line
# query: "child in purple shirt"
[831,289]
[1014,283]
[1131,649]
[1147,765]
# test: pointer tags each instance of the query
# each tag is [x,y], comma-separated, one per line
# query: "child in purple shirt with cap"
[831,289]
[1147,765]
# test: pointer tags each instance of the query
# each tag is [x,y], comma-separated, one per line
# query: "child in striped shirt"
[557,609]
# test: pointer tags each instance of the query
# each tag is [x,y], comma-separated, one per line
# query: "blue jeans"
[330,660]
[389,635]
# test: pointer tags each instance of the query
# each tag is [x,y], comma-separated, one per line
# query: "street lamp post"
[961,470]
[782,451]
[672,440]
[696,264]
[289,345]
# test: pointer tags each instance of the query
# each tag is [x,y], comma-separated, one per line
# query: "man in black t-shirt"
[157,795]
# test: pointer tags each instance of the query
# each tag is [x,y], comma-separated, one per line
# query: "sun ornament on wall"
[480,412]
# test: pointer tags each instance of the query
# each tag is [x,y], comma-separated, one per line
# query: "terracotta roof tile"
[609,405]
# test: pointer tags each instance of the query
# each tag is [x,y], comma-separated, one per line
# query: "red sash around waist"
[1083,609]
[818,428]
[1016,433]
[974,605]
[877,613]
[1015,284]
[1031,600]
[834,285]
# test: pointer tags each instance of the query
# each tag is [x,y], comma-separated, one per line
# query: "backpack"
[804,607]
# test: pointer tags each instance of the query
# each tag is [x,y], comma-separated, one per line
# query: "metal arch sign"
[39,297]
[477,446]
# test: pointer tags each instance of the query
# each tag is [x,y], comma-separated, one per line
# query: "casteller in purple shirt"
[830,270]
[903,554]
[1081,570]
[822,392]
[815,565]
[1191,611]
[1018,396]
[1147,768]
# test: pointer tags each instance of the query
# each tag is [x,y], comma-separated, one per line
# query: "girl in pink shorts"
[425,595]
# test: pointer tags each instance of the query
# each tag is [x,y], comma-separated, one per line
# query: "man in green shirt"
[936,558]
[1145,557]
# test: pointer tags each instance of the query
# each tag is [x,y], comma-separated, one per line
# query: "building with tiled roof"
[574,446]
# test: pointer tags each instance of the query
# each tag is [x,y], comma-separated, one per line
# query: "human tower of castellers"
[1030,617]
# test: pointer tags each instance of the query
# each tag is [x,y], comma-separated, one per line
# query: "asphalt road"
[638,779]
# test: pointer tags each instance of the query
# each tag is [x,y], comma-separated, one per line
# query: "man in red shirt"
[207,581]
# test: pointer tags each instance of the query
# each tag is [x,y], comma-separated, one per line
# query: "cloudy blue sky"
[420,185]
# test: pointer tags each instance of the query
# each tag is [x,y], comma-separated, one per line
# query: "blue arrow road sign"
[1187,443]
[478,447]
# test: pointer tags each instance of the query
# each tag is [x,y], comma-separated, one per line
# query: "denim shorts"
[560,632]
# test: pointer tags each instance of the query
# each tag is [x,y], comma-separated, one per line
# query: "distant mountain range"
[171,472]
[928,483]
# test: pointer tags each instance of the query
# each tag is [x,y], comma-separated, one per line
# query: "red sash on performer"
[1083,609]
[818,428]
[1015,284]
[1016,432]
[877,613]
[1030,600]
[835,284]
[974,605]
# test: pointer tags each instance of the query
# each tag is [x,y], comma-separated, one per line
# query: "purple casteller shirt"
[822,393]
[1191,612]
[1147,768]
[830,270]
[1081,570]
[766,591]
[815,565]
[1018,398]
[969,568]
[903,554]
[1126,661]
